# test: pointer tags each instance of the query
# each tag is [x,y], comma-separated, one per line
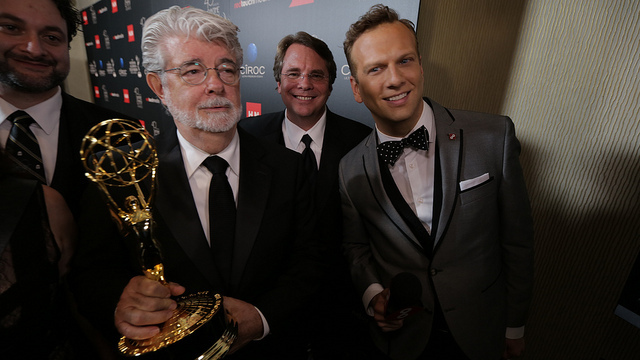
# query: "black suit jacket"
[328,341]
[340,136]
[77,117]
[276,264]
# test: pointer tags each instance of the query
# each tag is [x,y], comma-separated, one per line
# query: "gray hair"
[185,22]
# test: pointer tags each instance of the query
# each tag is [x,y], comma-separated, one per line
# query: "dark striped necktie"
[22,146]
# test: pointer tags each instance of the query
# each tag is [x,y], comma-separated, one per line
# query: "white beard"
[213,122]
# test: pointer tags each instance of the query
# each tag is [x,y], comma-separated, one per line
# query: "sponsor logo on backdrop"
[85,18]
[96,92]
[96,38]
[245,3]
[114,6]
[252,71]
[111,67]
[107,42]
[254,109]
[94,16]
[125,96]
[300,2]
[122,71]
[130,33]
[105,93]
[103,10]
[114,95]
[138,97]
[101,71]
[127,5]
[155,127]
[134,67]
[345,71]
[93,69]
[212,6]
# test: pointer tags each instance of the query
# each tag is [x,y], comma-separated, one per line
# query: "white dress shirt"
[46,128]
[414,170]
[293,135]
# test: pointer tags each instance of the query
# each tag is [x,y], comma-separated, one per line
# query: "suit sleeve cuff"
[265,326]
[373,290]
[515,333]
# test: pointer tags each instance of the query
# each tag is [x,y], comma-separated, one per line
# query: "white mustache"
[216,102]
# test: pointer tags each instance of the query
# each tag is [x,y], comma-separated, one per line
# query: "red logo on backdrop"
[130,33]
[85,18]
[97,38]
[125,95]
[96,92]
[114,6]
[254,109]
[300,2]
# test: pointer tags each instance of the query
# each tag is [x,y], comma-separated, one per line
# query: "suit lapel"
[253,191]
[372,172]
[449,141]
[174,203]
[273,129]
[332,150]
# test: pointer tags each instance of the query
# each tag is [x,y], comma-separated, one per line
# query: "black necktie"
[389,151]
[222,215]
[309,158]
[22,146]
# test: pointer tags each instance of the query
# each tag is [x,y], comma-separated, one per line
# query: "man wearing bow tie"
[437,193]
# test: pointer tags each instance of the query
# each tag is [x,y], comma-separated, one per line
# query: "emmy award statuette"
[118,155]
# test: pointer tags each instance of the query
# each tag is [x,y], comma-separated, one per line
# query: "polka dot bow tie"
[389,151]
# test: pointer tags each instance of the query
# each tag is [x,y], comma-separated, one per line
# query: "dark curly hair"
[70,15]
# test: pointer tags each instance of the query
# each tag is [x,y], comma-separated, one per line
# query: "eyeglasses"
[195,73]
[313,77]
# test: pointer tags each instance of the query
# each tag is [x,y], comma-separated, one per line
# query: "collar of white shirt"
[193,156]
[46,114]
[293,134]
[426,119]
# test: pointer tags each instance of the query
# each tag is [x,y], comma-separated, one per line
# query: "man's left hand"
[249,322]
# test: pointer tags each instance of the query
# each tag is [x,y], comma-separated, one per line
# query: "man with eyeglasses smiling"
[305,71]
[269,268]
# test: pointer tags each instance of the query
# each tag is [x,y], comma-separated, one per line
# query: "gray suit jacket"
[482,263]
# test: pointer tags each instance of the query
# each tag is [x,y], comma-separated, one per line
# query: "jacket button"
[433,272]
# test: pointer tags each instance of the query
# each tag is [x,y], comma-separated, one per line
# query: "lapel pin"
[452,136]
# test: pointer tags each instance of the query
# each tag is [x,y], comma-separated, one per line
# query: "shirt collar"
[294,133]
[46,114]
[193,156]
[426,119]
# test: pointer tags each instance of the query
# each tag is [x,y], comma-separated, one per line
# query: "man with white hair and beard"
[263,257]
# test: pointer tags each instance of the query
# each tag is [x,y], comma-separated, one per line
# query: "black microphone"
[405,292]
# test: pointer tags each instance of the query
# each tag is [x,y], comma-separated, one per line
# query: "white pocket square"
[467,184]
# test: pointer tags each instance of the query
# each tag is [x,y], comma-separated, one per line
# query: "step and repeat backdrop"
[112,30]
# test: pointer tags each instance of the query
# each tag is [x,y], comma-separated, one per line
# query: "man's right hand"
[379,305]
[144,303]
